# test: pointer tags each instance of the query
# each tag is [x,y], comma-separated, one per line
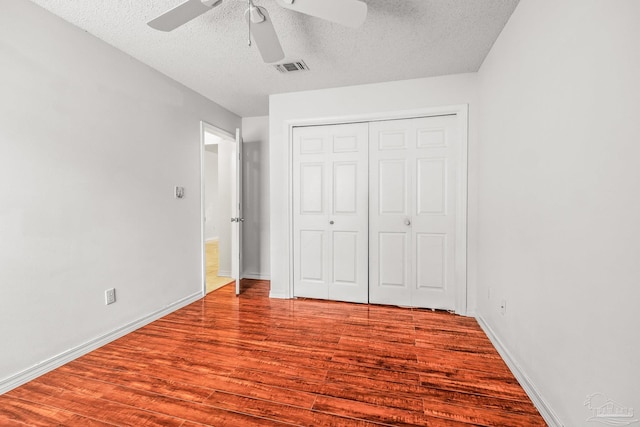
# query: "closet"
[330,197]
[376,211]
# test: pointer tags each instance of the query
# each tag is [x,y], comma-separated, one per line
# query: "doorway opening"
[218,199]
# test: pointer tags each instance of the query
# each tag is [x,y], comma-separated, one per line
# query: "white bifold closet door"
[412,219]
[330,212]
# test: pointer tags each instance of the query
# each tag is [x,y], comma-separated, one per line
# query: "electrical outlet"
[110,296]
[179,192]
[503,307]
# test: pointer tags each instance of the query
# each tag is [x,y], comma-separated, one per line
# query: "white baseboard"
[256,276]
[56,361]
[278,295]
[543,407]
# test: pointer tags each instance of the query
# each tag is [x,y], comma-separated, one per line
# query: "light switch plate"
[109,296]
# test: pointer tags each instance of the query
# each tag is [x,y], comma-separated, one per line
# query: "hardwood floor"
[255,361]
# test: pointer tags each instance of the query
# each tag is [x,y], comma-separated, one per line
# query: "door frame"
[462,113]
[209,128]
[238,213]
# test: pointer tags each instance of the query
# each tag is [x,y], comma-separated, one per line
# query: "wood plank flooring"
[255,361]
[212,266]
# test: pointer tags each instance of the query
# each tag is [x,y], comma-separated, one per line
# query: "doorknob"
[407,221]
[331,222]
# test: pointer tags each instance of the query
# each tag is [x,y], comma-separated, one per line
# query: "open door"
[237,218]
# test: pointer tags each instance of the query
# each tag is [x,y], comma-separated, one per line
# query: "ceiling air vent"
[289,67]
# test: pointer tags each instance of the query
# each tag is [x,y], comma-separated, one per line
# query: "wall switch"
[503,307]
[489,293]
[110,296]
[179,192]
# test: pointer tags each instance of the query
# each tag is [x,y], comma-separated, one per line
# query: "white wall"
[211,202]
[559,213]
[256,259]
[92,143]
[350,101]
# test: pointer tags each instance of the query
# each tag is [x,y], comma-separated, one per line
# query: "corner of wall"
[529,387]
[67,356]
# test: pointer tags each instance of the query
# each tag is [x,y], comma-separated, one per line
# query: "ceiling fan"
[351,13]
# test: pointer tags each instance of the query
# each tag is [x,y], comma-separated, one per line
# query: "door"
[237,218]
[413,196]
[330,212]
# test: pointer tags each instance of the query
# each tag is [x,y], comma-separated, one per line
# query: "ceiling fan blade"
[350,13]
[182,13]
[265,37]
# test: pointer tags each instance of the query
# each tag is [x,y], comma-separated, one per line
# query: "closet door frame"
[462,113]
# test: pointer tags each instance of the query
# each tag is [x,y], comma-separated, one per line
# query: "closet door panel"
[392,187]
[390,204]
[345,257]
[330,218]
[431,187]
[436,155]
[431,252]
[311,188]
[349,212]
[412,223]
[310,211]
[345,188]
[392,271]
[312,256]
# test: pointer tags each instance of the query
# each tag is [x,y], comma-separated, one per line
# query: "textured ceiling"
[401,39]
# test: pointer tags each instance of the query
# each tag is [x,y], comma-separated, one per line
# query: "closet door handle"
[331,222]
[407,222]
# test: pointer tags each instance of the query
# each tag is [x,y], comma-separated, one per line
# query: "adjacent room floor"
[251,360]
[212,264]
